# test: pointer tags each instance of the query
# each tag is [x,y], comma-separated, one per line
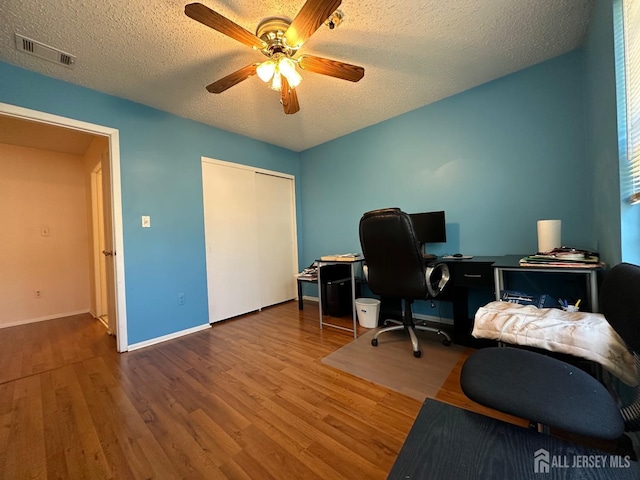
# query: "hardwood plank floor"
[248,398]
[37,347]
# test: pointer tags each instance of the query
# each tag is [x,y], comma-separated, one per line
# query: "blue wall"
[161,177]
[496,158]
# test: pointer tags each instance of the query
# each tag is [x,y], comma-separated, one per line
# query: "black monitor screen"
[429,227]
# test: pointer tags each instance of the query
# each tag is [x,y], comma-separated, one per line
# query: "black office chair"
[395,268]
[553,393]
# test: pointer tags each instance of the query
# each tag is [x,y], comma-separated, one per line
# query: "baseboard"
[42,319]
[311,299]
[164,338]
[106,325]
[101,320]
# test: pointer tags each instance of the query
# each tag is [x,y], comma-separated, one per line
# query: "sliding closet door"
[231,234]
[277,246]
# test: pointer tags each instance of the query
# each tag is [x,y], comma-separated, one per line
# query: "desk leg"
[353,299]
[498,281]
[592,288]
[300,304]
[462,326]
[320,295]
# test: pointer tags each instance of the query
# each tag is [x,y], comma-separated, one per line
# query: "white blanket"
[581,334]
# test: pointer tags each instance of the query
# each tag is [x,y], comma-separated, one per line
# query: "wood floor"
[246,399]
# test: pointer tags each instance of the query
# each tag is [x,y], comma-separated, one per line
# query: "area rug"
[392,364]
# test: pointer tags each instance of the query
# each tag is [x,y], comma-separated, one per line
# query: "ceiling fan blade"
[233,79]
[333,68]
[309,18]
[208,17]
[289,98]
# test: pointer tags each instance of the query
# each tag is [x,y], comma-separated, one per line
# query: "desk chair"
[396,269]
[553,393]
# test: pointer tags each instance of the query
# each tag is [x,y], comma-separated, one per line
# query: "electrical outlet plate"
[181,299]
[146,221]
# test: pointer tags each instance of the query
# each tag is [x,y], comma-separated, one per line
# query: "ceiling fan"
[278,39]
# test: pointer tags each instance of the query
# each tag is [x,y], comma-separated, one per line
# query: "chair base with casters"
[409,325]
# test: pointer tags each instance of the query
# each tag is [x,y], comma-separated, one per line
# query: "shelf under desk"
[511,263]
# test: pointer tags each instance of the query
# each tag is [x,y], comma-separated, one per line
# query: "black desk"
[481,276]
[485,276]
[467,274]
[447,443]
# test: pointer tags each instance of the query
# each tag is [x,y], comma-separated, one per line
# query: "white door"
[99,247]
[104,280]
[109,252]
[276,222]
[231,234]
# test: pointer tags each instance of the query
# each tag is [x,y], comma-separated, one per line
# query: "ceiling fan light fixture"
[270,71]
[276,81]
[266,70]
[287,68]
[294,79]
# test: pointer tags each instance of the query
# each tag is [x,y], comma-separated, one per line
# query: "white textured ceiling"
[414,53]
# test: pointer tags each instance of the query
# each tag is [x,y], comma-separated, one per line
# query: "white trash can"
[368,309]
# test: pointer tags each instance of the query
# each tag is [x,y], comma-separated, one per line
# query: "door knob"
[107,253]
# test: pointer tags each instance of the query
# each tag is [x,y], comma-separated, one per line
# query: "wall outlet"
[146,221]
[37,294]
[181,299]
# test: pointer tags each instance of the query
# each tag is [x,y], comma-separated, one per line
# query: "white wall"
[42,190]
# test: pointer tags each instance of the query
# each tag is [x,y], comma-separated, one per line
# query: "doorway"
[113,232]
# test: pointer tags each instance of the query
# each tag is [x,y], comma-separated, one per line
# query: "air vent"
[43,51]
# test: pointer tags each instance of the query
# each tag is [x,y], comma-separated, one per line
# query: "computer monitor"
[430,227]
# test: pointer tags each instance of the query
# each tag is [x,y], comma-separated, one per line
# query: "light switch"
[146,221]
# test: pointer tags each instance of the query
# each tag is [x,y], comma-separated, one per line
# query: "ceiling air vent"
[43,51]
